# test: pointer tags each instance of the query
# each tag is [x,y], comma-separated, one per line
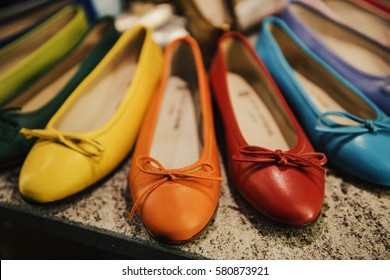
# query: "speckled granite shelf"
[354,223]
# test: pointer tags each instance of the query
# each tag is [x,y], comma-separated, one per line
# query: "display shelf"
[354,223]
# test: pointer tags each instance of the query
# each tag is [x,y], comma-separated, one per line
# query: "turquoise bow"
[324,124]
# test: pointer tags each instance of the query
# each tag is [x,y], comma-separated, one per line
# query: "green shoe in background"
[24,59]
[38,101]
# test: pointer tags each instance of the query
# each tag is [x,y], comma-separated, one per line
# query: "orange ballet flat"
[175,172]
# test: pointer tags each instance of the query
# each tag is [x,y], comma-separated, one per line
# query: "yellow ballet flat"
[96,127]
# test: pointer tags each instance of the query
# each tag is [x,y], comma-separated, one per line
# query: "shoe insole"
[365,21]
[19,23]
[214,11]
[360,53]
[99,101]
[255,120]
[13,56]
[322,99]
[176,140]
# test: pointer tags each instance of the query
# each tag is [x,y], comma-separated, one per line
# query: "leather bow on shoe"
[83,145]
[254,154]
[151,166]
[324,124]
[7,125]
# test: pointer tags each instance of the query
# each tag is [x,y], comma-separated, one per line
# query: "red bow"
[261,155]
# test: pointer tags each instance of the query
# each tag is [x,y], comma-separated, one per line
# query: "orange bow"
[151,166]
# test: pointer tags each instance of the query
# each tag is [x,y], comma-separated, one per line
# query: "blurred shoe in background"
[23,16]
[357,15]
[249,13]
[26,58]
[357,58]
[166,25]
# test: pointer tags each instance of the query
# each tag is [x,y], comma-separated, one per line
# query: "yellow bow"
[83,145]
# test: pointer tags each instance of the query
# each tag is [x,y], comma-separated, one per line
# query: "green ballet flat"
[37,102]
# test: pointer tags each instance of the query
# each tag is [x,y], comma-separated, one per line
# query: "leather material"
[376,87]
[48,53]
[62,163]
[361,148]
[13,146]
[176,204]
[285,186]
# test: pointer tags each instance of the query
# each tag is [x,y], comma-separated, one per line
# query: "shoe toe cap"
[175,213]
[367,157]
[287,196]
[52,172]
